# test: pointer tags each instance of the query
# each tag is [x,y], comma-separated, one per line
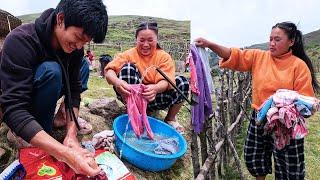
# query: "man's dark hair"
[91,15]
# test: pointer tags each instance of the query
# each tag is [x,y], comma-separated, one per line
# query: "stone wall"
[4,26]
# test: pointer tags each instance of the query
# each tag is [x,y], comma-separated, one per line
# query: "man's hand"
[79,159]
[71,142]
[82,162]
[78,154]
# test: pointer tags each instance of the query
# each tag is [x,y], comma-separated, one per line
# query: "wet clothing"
[137,111]
[131,75]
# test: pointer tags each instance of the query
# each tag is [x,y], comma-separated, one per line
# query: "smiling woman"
[138,65]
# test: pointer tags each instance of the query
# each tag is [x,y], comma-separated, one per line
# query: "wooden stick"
[236,158]
[209,161]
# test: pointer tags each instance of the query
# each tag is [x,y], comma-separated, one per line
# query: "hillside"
[174,36]
[312,39]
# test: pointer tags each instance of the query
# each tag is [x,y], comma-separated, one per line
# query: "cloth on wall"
[202,110]
[207,69]
[193,75]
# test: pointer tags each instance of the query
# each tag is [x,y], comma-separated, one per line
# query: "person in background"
[139,64]
[284,66]
[40,62]
[89,55]
[104,60]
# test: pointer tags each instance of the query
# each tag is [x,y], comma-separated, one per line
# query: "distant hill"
[311,40]
[168,29]
[174,36]
[28,18]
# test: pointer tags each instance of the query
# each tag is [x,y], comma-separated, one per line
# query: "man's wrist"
[62,153]
[72,128]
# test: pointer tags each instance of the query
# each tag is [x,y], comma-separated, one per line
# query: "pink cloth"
[193,75]
[136,108]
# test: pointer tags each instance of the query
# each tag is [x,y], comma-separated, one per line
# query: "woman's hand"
[122,88]
[201,42]
[150,91]
[222,51]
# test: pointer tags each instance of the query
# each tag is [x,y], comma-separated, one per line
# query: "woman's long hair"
[298,48]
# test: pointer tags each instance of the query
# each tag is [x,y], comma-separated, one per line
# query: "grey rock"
[108,108]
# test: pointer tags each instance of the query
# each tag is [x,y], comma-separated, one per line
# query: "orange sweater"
[270,73]
[159,58]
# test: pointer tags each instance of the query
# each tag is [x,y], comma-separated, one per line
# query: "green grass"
[98,88]
[312,148]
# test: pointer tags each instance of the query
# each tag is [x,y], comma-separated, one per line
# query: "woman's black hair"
[91,15]
[298,48]
[148,25]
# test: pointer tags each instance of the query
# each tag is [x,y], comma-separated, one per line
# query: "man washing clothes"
[40,62]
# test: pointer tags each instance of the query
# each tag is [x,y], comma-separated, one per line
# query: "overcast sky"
[228,22]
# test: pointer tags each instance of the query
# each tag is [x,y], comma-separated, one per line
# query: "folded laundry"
[284,113]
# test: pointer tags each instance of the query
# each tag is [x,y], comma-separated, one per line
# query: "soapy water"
[144,143]
[162,144]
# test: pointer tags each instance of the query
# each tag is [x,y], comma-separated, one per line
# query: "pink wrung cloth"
[136,108]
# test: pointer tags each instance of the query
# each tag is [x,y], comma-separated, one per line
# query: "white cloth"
[205,61]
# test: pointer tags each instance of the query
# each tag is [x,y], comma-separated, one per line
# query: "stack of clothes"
[285,112]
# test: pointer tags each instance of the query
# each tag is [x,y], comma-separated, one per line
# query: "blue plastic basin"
[142,159]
